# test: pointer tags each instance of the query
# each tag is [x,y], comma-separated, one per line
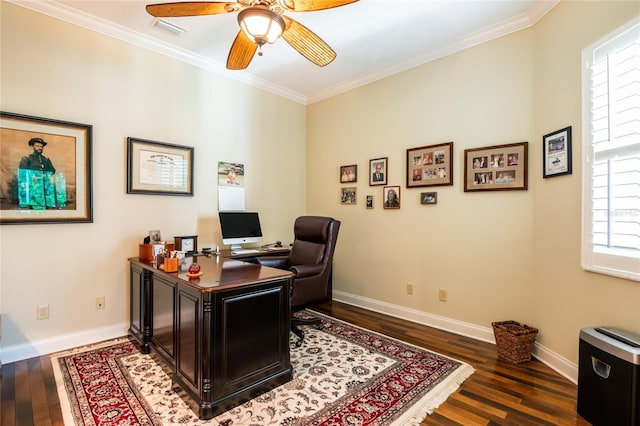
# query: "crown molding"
[521,22]
[90,22]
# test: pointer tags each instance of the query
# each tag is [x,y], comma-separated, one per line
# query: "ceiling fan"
[261,21]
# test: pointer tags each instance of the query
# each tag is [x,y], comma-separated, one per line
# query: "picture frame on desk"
[46,170]
[157,248]
[155,236]
[158,168]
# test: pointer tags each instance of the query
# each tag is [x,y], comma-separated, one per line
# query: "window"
[611,154]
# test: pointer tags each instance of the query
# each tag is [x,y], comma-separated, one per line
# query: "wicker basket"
[514,340]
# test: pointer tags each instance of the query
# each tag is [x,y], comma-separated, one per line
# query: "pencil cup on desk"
[170,264]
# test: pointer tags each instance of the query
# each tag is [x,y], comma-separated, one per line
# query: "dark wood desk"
[224,335]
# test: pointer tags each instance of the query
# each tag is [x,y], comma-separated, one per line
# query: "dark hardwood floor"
[498,393]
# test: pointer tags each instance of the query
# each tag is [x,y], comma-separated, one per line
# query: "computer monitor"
[240,228]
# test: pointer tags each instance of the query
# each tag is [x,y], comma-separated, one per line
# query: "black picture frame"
[57,188]
[159,168]
[369,201]
[556,153]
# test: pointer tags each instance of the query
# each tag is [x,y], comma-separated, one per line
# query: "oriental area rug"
[343,375]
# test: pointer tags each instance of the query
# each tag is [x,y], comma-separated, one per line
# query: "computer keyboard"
[245,251]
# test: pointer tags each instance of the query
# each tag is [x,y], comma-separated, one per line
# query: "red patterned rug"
[343,375]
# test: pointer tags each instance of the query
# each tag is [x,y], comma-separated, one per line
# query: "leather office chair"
[311,260]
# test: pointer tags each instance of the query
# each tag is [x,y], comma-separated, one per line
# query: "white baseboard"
[485,334]
[60,343]
[559,364]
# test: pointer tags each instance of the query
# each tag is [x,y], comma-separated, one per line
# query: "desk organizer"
[171,264]
[145,251]
[514,341]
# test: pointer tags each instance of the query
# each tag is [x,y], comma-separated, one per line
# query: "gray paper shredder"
[609,376]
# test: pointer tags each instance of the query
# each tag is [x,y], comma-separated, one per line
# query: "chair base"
[303,321]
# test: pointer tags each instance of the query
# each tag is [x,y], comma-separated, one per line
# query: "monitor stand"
[235,247]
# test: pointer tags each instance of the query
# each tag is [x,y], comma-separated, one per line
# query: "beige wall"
[567,298]
[478,246]
[55,70]
[501,255]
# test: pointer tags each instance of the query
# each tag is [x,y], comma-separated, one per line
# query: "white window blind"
[611,154]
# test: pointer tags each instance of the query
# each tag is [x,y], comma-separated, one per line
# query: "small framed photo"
[230,174]
[349,174]
[348,195]
[391,197]
[155,237]
[159,168]
[430,165]
[428,198]
[157,249]
[369,201]
[378,171]
[556,156]
[496,168]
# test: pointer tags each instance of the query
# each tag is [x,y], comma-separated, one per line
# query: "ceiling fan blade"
[192,8]
[309,5]
[241,53]
[307,43]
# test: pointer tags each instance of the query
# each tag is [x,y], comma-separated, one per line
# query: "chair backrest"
[314,240]
[315,243]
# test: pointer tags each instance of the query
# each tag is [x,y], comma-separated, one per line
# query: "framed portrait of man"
[46,170]
[378,171]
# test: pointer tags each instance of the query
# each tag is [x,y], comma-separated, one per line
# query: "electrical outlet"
[42,312]
[100,302]
[409,288]
[443,295]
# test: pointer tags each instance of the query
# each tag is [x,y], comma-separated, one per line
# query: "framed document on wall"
[556,158]
[159,168]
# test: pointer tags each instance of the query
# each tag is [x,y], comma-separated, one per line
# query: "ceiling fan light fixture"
[261,24]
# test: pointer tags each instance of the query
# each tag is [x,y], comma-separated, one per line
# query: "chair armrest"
[302,271]
[279,262]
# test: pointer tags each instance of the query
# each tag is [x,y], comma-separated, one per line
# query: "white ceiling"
[373,39]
